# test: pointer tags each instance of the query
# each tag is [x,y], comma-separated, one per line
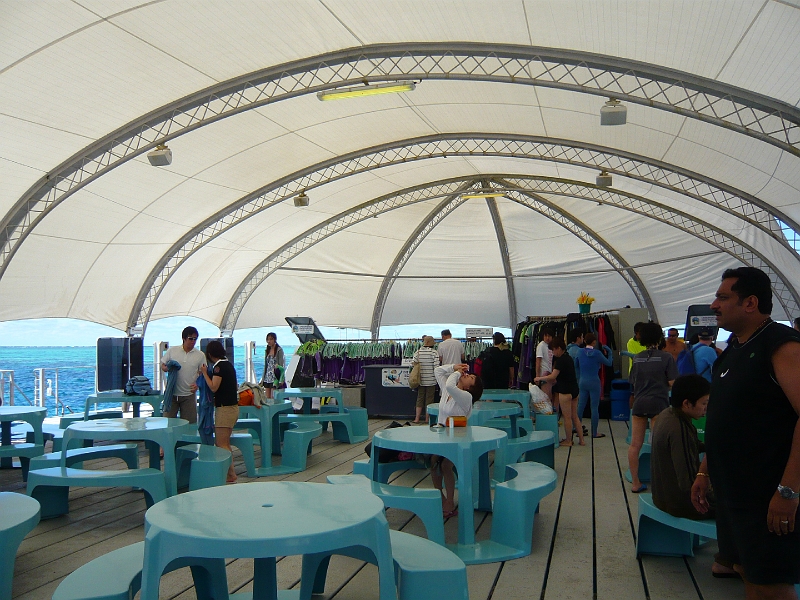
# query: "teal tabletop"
[30,414]
[161,430]
[466,447]
[264,521]
[308,393]
[523,397]
[19,514]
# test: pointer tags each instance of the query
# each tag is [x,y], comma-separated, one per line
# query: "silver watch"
[786,492]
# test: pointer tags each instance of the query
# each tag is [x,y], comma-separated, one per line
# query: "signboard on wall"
[394,377]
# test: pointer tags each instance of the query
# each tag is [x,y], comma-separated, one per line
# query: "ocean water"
[76,371]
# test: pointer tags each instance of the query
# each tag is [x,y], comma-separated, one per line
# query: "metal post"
[249,363]
[159,349]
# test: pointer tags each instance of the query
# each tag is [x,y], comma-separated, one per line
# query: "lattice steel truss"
[302,242]
[751,114]
[696,186]
[785,293]
[513,318]
[524,190]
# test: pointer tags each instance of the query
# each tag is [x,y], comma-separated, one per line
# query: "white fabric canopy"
[706,171]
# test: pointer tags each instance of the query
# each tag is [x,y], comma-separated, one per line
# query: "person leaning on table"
[459,390]
[226,397]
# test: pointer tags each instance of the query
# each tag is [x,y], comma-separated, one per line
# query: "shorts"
[226,416]
[646,415]
[185,405]
[744,539]
[426,394]
[269,385]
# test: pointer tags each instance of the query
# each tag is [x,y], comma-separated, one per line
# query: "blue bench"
[537,446]
[548,423]
[25,452]
[425,503]
[118,576]
[18,516]
[644,465]
[350,426]
[242,441]
[201,466]
[664,535]
[75,457]
[297,442]
[362,467]
[515,503]
[423,569]
[50,486]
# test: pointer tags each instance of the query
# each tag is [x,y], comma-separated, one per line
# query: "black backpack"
[138,385]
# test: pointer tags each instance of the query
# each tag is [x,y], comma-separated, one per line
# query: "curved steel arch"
[787,295]
[507,272]
[708,100]
[676,179]
[547,209]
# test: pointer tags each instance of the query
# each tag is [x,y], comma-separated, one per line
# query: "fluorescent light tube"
[483,195]
[367,90]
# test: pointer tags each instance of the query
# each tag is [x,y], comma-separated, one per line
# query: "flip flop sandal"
[449,513]
[599,435]
[640,490]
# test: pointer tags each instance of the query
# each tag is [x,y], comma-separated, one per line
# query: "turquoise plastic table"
[270,434]
[482,412]
[19,514]
[308,393]
[30,414]
[465,447]
[159,430]
[263,521]
[154,400]
[522,397]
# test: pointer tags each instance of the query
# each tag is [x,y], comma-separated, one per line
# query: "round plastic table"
[482,412]
[19,514]
[522,397]
[263,521]
[163,431]
[465,447]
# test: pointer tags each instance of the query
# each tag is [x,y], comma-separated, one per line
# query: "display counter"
[388,394]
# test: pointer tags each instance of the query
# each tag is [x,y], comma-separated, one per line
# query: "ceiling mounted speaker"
[301,199]
[604,179]
[613,113]
[161,156]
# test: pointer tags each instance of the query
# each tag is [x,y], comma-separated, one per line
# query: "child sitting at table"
[459,390]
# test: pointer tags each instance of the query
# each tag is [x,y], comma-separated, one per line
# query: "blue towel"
[173,366]
[205,412]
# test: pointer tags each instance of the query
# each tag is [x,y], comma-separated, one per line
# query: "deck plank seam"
[555,526]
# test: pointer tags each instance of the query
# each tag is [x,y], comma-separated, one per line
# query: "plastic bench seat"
[423,570]
[127,452]
[201,466]
[537,446]
[351,426]
[515,503]
[25,452]
[362,467]
[242,441]
[662,534]
[50,486]
[118,576]
[251,425]
[425,503]
[297,440]
[18,516]
[548,423]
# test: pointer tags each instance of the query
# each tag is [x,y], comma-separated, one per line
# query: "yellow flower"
[585,298]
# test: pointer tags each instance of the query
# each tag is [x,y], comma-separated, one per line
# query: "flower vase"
[585,308]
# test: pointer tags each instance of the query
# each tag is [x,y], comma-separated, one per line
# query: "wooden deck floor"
[583,546]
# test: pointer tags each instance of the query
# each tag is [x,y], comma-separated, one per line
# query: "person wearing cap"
[704,355]
[428,360]
[451,352]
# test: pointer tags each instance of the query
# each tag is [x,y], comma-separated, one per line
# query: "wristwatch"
[786,492]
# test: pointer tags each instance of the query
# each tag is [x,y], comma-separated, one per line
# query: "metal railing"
[7,377]
[44,387]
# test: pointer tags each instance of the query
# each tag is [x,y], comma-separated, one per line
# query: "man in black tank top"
[753,439]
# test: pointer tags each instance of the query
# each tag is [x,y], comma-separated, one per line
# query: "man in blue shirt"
[704,355]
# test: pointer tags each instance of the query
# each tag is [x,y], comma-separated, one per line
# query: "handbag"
[540,403]
[414,377]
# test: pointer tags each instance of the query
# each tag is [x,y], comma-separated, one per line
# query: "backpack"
[138,385]
[483,363]
[685,361]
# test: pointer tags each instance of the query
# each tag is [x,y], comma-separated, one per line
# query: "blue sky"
[72,332]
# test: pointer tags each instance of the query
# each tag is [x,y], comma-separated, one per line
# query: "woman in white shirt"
[459,390]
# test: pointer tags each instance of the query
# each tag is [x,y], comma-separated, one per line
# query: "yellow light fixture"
[367,90]
[482,195]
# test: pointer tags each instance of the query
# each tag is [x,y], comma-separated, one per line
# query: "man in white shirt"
[184,400]
[451,352]
[544,363]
